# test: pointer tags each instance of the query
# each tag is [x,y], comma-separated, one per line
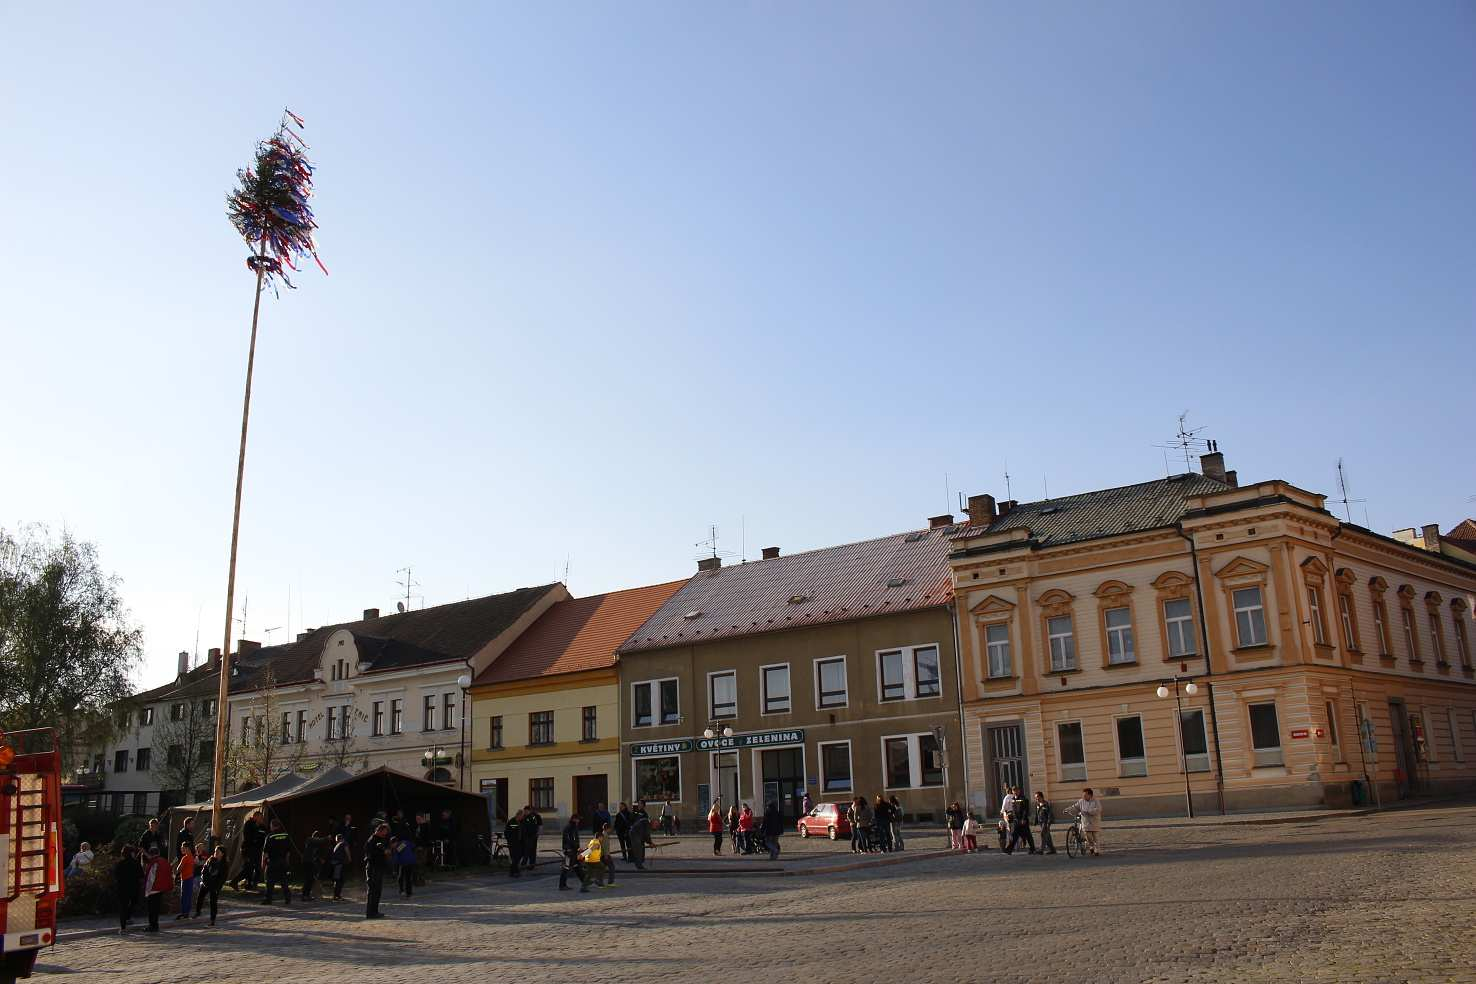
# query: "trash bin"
[1357,792]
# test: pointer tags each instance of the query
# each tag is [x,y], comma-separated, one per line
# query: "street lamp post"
[1191,689]
[464,682]
[713,730]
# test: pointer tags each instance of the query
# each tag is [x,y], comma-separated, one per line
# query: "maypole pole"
[270,210]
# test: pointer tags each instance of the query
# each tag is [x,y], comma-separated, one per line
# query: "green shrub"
[90,892]
[128,831]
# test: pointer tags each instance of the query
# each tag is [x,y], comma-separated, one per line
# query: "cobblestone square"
[1386,897]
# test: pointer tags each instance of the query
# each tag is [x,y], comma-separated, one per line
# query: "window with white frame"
[655,702]
[1062,643]
[927,680]
[1265,735]
[1194,740]
[893,682]
[775,688]
[1071,748]
[397,715]
[1437,637]
[1463,646]
[1178,622]
[332,731]
[830,682]
[376,719]
[1132,758]
[1314,611]
[428,712]
[448,712]
[1381,626]
[1410,644]
[1345,614]
[911,761]
[1119,623]
[1250,617]
[722,694]
[908,673]
[835,766]
[997,645]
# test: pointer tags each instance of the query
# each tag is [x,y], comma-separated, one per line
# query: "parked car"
[828,819]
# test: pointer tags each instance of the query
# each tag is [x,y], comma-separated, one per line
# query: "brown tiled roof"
[1106,512]
[1463,534]
[899,573]
[578,634]
[201,681]
[428,635]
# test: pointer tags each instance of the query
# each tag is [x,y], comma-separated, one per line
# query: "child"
[184,869]
[970,834]
[212,869]
[157,884]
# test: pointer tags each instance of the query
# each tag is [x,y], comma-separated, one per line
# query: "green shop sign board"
[646,749]
[756,740]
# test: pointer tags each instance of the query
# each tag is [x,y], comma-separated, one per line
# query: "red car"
[828,819]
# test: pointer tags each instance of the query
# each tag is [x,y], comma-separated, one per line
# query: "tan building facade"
[1336,656]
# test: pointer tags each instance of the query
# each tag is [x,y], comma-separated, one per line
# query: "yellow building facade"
[1314,662]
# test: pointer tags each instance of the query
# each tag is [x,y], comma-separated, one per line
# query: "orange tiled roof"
[1464,534]
[578,634]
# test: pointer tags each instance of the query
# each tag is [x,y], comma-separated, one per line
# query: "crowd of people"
[746,834]
[1016,813]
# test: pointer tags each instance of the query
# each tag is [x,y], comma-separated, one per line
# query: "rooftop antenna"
[947,493]
[743,539]
[268,633]
[1008,494]
[409,585]
[1045,482]
[1343,487]
[711,545]
[245,600]
[566,570]
[1188,442]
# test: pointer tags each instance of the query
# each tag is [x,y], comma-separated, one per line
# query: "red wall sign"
[1299,732]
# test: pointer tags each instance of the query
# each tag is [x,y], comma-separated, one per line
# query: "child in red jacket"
[158,883]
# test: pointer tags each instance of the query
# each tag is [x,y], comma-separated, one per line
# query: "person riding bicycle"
[1089,809]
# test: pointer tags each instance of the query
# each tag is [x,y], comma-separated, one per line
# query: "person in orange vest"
[158,883]
[185,871]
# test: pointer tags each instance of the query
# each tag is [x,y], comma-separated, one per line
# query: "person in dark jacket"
[773,827]
[404,852]
[881,823]
[152,837]
[251,838]
[339,860]
[128,876]
[600,818]
[312,858]
[532,827]
[512,834]
[569,847]
[212,878]
[639,836]
[1044,817]
[376,859]
[1020,823]
[621,825]
[186,835]
[274,852]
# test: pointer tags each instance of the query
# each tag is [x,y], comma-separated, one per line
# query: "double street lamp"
[1190,688]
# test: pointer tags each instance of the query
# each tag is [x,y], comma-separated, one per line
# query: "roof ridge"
[1119,488]
[834,546]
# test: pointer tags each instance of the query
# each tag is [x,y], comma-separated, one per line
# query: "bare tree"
[186,741]
[264,749]
[344,751]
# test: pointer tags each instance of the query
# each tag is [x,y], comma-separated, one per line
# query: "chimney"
[1231,479]
[1431,535]
[709,563]
[936,521]
[1006,506]
[981,510]
[1212,465]
[184,663]
[370,613]
[770,553]
[244,646]
[213,660]
[303,635]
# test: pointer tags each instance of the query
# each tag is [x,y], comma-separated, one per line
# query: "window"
[300,726]
[1250,617]
[146,716]
[207,754]
[120,760]
[830,682]
[143,760]
[835,767]
[175,755]
[207,707]
[1178,621]
[1072,750]
[285,732]
[925,672]
[1333,738]
[397,715]
[997,645]
[1195,744]
[1463,647]
[448,711]
[775,681]
[911,761]
[1411,644]
[377,719]
[1119,636]
[1131,758]
[541,728]
[589,729]
[1458,748]
[1345,614]
[652,697]
[722,694]
[1381,626]
[176,712]
[494,740]
[1062,643]
[1265,735]
[658,778]
[346,721]
[260,730]
[1314,611]
[541,793]
[893,685]
[428,712]
[246,730]
[1437,638]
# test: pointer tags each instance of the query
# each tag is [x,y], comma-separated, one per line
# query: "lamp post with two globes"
[1190,688]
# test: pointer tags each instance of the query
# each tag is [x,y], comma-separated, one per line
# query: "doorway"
[495,791]
[783,771]
[1004,750]
[589,793]
[1403,754]
[725,777]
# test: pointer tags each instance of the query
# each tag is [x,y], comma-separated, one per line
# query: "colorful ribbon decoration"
[269,207]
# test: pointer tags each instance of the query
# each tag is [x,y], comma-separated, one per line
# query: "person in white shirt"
[81,859]
[1090,809]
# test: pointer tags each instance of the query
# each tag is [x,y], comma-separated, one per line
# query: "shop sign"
[1299,732]
[648,748]
[759,739]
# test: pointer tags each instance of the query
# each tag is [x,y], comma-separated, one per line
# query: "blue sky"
[605,274]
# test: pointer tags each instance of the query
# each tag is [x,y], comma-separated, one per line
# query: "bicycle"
[494,851]
[1076,846]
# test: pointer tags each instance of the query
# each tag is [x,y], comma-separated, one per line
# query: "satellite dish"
[400,606]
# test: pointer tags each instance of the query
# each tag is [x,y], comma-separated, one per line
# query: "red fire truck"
[30,848]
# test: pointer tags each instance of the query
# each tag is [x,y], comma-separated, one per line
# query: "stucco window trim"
[995,611]
[1460,619]
[1433,603]
[1238,574]
[1057,603]
[1409,627]
[1349,631]
[1112,596]
[1006,623]
[1175,586]
[1384,641]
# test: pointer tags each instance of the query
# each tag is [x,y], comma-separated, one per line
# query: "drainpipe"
[1209,669]
[1368,781]
[963,741]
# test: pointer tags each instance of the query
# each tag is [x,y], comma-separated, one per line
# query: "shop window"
[722,694]
[1119,622]
[1265,735]
[1132,759]
[658,778]
[997,644]
[1072,750]
[1194,741]
[835,766]
[541,728]
[1250,617]
[1062,642]
[541,793]
[830,682]
[1178,623]
[775,681]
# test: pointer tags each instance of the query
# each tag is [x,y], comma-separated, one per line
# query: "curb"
[1321,816]
[709,872]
